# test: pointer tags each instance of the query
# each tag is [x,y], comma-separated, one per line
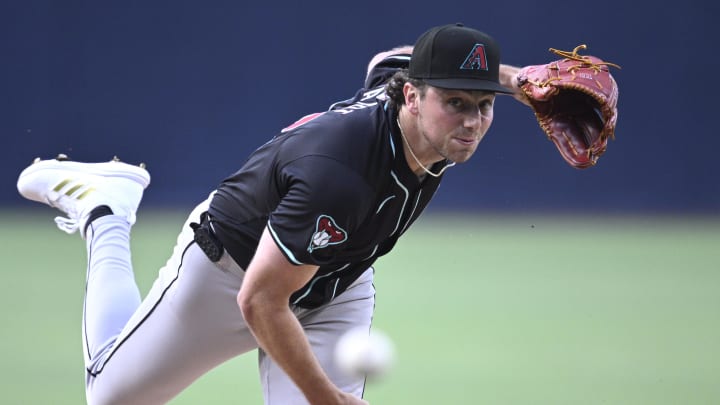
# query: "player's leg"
[111,294]
[188,323]
[323,327]
[108,192]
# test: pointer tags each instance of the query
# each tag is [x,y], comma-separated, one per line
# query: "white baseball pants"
[147,351]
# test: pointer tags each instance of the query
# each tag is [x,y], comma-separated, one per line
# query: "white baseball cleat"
[77,188]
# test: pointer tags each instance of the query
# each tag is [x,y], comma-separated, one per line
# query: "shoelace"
[71,226]
[68,225]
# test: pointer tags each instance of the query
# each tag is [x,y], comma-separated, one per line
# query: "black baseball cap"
[457,57]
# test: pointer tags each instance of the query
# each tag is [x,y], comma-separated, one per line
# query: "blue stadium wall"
[191,88]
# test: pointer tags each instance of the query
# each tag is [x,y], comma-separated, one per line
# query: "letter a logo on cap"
[476,59]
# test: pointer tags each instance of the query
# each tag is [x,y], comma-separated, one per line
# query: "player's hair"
[394,87]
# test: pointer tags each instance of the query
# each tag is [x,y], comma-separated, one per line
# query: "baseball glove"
[575,103]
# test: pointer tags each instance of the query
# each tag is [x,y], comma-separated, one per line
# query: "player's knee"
[115,394]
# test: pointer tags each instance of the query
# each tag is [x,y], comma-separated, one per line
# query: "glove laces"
[585,60]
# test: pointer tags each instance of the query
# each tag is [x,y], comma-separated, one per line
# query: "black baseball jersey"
[334,190]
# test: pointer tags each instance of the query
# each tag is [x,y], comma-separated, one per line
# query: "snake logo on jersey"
[327,233]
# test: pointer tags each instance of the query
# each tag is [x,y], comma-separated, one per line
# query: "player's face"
[453,122]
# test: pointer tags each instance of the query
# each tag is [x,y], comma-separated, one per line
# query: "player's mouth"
[466,140]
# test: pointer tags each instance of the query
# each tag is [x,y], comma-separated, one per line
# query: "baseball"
[363,353]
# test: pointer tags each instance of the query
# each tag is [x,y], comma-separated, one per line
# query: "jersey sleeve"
[323,205]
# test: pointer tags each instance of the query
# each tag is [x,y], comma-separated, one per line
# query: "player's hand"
[350,399]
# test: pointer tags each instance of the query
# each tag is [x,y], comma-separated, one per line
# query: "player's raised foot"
[77,188]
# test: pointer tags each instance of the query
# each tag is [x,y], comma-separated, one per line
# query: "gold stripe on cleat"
[85,193]
[74,189]
[61,185]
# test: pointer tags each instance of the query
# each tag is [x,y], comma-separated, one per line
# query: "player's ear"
[412,95]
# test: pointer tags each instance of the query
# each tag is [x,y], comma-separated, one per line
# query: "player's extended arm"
[508,78]
[263,299]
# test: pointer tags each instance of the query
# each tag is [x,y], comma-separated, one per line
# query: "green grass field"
[483,310]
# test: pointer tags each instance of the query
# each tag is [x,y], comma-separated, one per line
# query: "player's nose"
[473,120]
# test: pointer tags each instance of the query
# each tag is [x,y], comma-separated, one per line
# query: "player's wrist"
[329,395]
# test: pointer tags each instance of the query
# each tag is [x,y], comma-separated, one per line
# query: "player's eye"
[486,106]
[456,103]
